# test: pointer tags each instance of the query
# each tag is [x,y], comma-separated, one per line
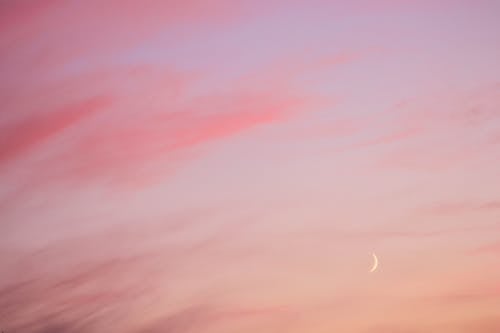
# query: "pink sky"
[231,166]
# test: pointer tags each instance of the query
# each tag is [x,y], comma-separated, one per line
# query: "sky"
[232,166]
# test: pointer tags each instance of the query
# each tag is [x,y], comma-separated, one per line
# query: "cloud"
[464,207]
[81,120]
[210,318]
[490,324]
[133,119]
[57,329]
[75,297]
[446,128]
[116,26]
[385,6]
[87,279]
[393,328]
[469,296]
[20,137]
[400,232]
[286,70]
[492,248]
[290,71]
[191,319]
[112,148]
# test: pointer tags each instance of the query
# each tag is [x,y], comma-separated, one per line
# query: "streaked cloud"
[230,166]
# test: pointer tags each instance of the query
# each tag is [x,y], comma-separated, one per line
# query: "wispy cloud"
[487,324]
[20,137]
[117,26]
[491,248]
[223,166]
[446,129]
[158,126]
[463,207]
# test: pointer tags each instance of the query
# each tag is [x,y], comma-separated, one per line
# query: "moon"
[375,263]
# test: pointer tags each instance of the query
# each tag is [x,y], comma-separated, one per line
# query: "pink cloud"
[172,130]
[466,109]
[393,328]
[149,138]
[77,280]
[475,293]
[434,122]
[116,25]
[343,127]
[490,324]
[285,71]
[463,207]
[133,116]
[374,7]
[397,137]
[401,232]
[93,101]
[19,138]
[492,248]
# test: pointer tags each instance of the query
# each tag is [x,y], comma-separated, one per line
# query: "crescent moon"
[375,263]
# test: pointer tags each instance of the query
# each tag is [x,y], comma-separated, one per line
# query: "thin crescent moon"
[375,263]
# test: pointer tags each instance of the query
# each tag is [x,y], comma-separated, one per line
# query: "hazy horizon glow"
[231,166]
